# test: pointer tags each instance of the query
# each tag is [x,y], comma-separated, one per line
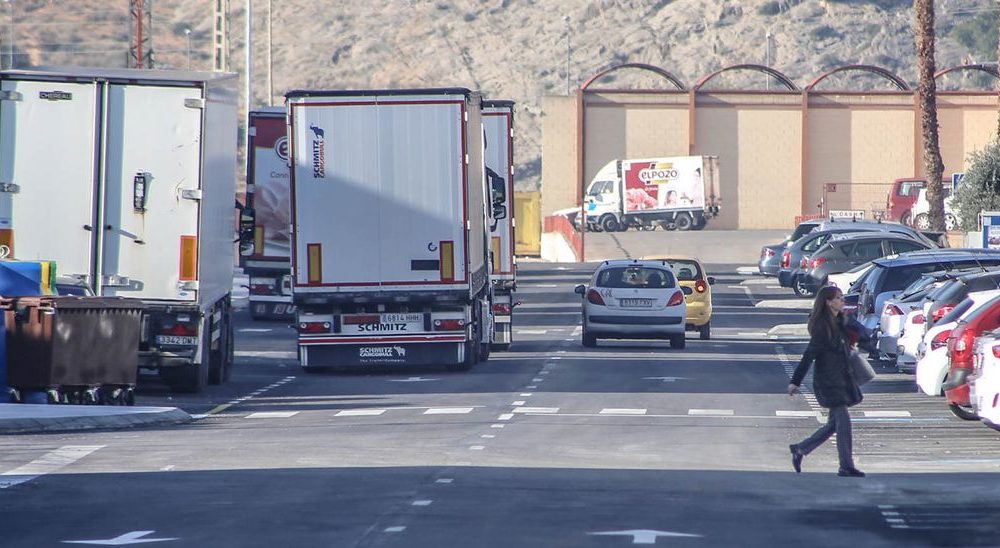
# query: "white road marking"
[887,414]
[537,379]
[167,468]
[272,415]
[422,502]
[497,425]
[536,410]
[477,448]
[255,330]
[505,417]
[613,411]
[448,410]
[395,529]
[359,412]
[488,436]
[796,413]
[531,387]
[46,464]
[532,331]
[132,537]
[411,379]
[518,402]
[578,330]
[710,411]
[526,395]
[748,270]
[444,480]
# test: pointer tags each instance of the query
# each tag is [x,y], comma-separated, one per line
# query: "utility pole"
[220,36]
[187,33]
[140,34]
[270,75]
[767,59]
[10,37]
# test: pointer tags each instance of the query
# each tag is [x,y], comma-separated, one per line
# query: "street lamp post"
[767,59]
[270,80]
[566,20]
[10,32]
[187,33]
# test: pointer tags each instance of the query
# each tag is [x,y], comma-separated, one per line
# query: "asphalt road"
[549,445]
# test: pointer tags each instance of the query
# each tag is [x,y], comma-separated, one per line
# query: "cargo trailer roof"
[375,92]
[116,74]
[269,111]
[497,103]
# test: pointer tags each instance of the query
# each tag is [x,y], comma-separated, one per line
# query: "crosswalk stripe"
[448,410]
[272,415]
[887,413]
[359,412]
[46,464]
[614,411]
[796,413]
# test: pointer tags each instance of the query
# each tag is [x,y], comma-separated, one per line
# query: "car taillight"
[766,253]
[676,299]
[593,297]
[501,308]
[314,327]
[786,259]
[941,312]
[960,350]
[449,325]
[996,351]
[700,286]
[918,319]
[940,340]
[892,310]
[815,263]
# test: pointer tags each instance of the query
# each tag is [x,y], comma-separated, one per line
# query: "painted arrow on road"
[666,379]
[643,536]
[135,537]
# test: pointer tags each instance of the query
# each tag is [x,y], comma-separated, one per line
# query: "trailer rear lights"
[262,289]
[941,312]
[996,351]
[189,258]
[817,262]
[786,259]
[918,319]
[359,319]
[314,263]
[501,308]
[449,325]
[314,327]
[766,253]
[892,310]
[447,256]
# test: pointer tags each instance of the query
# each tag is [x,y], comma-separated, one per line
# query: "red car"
[960,356]
[901,199]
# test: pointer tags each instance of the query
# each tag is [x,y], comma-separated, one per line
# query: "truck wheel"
[683,221]
[906,218]
[610,224]
[950,222]
[192,378]
[922,221]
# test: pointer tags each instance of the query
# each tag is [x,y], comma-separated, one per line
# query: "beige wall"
[774,160]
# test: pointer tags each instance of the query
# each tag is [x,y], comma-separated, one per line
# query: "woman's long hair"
[821,317]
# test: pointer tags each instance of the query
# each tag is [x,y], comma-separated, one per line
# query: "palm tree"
[927,100]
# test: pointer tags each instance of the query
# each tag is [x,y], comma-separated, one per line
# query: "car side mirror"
[687,290]
[580,289]
[711,280]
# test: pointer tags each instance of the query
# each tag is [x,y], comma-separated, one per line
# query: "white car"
[844,280]
[909,340]
[895,311]
[921,209]
[933,364]
[633,299]
[984,383]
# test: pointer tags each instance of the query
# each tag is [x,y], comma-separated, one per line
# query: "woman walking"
[833,385]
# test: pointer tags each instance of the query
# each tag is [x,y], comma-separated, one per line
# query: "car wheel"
[589,340]
[798,286]
[922,222]
[683,221]
[963,412]
[678,341]
[609,223]
[705,332]
[950,222]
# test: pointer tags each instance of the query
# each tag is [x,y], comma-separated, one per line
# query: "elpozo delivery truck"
[126,179]
[498,127]
[680,192]
[267,262]
[390,240]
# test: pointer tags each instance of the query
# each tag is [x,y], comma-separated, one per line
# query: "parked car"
[770,254]
[960,348]
[841,255]
[984,383]
[949,295]
[920,212]
[886,226]
[697,287]
[895,311]
[891,275]
[932,352]
[908,341]
[633,299]
[901,198]
[791,257]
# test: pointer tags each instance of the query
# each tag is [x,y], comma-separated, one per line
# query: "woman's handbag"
[861,370]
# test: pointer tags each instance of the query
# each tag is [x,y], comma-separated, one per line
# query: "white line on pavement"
[710,411]
[46,464]
[613,411]
[887,413]
[448,411]
[796,413]
[359,412]
[536,410]
[272,415]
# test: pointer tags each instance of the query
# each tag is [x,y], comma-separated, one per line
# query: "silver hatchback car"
[633,299]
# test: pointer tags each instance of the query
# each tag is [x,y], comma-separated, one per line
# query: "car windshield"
[687,271]
[634,277]
[802,230]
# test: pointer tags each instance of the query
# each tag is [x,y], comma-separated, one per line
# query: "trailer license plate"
[177,340]
[637,303]
[389,323]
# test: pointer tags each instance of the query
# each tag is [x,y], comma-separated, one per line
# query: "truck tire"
[192,378]
[221,358]
[609,223]
[699,222]
[683,221]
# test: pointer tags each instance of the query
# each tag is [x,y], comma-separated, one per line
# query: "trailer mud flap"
[381,355]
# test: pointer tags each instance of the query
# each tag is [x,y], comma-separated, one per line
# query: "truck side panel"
[499,158]
[664,183]
[47,150]
[379,194]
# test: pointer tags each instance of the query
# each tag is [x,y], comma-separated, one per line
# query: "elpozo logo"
[658,172]
[318,152]
[281,148]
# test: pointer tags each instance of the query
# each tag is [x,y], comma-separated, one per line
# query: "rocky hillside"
[512,49]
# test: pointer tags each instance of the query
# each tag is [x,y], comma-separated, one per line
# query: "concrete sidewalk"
[17,418]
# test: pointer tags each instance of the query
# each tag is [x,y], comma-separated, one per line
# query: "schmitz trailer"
[126,179]
[498,126]
[390,254]
[268,196]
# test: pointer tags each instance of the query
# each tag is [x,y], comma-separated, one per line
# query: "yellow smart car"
[697,287]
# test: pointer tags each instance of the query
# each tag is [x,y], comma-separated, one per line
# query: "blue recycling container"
[21,279]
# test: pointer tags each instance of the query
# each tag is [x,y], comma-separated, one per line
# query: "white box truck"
[390,228]
[498,127]
[680,192]
[127,179]
[267,261]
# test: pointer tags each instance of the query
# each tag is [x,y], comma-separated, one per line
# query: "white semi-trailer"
[390,228]
[498,126]
[126,179]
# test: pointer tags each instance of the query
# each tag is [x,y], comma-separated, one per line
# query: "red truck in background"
[901,198]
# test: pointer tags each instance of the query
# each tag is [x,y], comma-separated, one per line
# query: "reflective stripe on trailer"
[306,340]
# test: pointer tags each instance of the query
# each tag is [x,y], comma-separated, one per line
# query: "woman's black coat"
[832,381]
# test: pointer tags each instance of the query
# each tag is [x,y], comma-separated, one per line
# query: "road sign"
[643,536]
[956,179]
[847,214]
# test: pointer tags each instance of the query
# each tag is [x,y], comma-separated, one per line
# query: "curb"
[150,416]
